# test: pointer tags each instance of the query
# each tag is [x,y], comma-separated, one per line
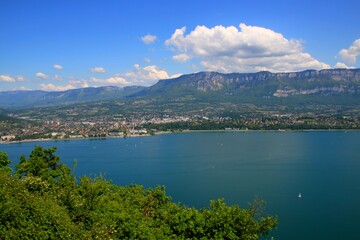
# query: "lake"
[323,166]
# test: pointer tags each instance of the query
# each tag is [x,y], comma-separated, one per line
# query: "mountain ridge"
[324,86]
[38,98]
[264,84]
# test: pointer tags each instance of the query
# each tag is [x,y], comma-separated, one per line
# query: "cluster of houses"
[61,135]
[7,138]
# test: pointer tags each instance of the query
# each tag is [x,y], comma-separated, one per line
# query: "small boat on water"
[299,196]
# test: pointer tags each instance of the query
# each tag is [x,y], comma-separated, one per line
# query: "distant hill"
[339,86]
[37,98]
[324,87]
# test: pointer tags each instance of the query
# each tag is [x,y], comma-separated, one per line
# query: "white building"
[7,137]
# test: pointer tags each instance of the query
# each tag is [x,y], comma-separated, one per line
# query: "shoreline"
[184,131]
[69,139]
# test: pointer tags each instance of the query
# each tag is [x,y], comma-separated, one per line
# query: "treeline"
[255,124]
[42,199]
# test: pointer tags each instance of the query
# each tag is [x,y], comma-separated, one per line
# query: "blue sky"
[59,45]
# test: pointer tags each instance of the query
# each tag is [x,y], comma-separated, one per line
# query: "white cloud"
[58,67]
[145,76]
[6,78]
[247,49]
[115,80]
[79,83]
[148,60]
[52,87]
[175,75]
[349,55]
[183,57]
[341,65]
[41,75]
[148,39]
[98,70]
[154,72]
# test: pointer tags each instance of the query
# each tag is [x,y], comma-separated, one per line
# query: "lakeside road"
[172,132]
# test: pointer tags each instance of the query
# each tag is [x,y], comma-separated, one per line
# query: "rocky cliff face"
[326,74]
[324,82]
[318,90]
[210,80]
[327,82]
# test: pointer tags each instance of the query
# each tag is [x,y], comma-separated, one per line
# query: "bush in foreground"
[43,200]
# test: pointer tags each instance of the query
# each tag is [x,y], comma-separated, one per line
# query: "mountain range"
[39,98]
[329,86]
[325,85]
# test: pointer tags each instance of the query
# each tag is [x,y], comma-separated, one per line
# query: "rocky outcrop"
[319,90]
[261,84]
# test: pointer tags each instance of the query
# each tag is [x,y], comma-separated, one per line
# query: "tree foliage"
[4,163]
[43,200]
[42,163]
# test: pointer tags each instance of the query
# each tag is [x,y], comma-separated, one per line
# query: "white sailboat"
[299,196]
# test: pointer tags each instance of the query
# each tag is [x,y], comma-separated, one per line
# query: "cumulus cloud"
[79,83]
[341,65]
[58,67]
[183,57]
[349,55]
[41,75]
[6,78]
[115,80]
[154,72]
[98,70]
[52,87]
[148,39]
[175,75]
[145,76]
[247,49]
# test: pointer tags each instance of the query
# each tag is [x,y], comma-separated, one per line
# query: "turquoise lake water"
[196,167]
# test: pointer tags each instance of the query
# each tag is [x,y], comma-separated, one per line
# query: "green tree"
[42,163]
[4,162]
[43,200]
[26,214]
